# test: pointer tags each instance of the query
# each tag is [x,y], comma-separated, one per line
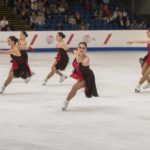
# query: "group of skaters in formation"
[82,72]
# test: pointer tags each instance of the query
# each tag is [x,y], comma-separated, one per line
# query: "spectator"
[134,25]
[40,20]
[41,6]
[142,25]
[61,8]
[78,18]
[82,26]
[34,6]
[48,13]
[128,23]
[66,19]
[59,26]
[18,7]
[33,20]
[3,22]
[25,13]
[72,20]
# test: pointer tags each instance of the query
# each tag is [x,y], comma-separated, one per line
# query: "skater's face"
[148,33]
[10,42]
[22,36]
[58,38]
[81,49]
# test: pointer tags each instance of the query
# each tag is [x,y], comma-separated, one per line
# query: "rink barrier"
[92,49]
[98,49]
[108,40]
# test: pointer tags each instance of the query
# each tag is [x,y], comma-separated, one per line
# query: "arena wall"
[44,41]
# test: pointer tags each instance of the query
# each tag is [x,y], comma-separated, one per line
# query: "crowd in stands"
[74,15]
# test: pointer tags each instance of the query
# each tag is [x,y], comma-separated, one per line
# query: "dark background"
[141,7]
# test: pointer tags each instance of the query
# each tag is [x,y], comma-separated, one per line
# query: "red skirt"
[148,60]
[77,76]
[14,64]
[58,57]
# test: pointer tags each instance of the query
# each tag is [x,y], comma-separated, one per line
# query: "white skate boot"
[27,80]
[2,89]
[137,89]
[65,105]
[62,78]
[45,81]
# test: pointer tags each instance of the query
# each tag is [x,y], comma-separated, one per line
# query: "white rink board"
[95,39]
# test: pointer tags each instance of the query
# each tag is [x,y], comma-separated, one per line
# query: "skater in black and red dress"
[61,61]
[83,74]
[19,67]
[146,65]
[22,43]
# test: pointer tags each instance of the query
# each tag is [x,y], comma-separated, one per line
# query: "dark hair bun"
[13,38]
[16,40]
[61,34]
[25,33]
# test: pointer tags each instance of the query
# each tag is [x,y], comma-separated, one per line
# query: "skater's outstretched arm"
[11,51]
[139,42]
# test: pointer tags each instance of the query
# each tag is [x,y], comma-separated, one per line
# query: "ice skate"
[44,82]
[137,89]
[62,78]
[2,89]
[65,105]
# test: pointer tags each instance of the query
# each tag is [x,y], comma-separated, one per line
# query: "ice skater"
[19,67]
[83,74]
[23,46]
[61,61]
[146,65]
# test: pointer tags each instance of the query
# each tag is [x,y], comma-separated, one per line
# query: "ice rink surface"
[31,116]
